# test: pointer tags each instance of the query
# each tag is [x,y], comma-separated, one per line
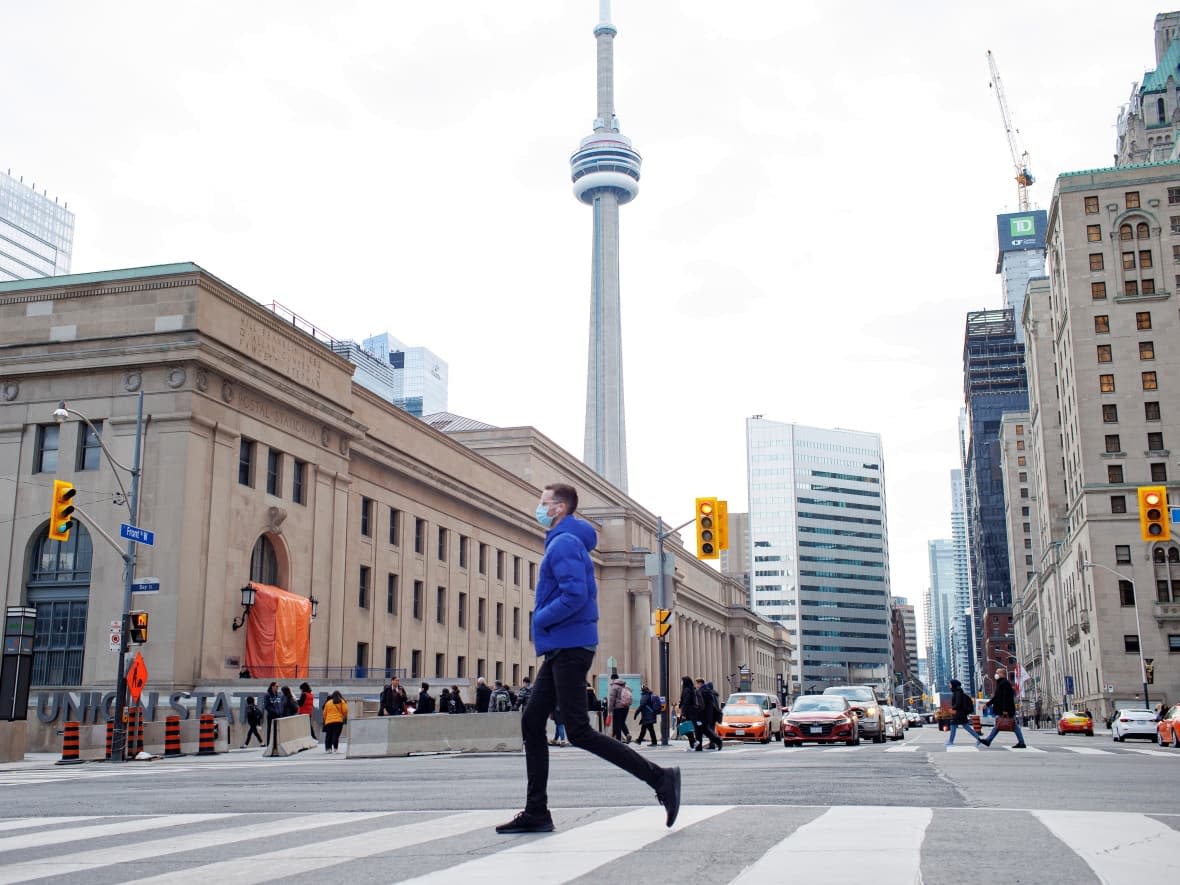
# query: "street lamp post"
[1138,630]
[119,738]
[662,603]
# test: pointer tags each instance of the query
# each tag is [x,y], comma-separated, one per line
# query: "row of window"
[1102,320]
[1131,643]
[247,465]
[1130,200]
[1155,442]
[1114,473]
[1149,381]
[442,550]
[417,601]
[1146,352]
[363,664]
[87,456]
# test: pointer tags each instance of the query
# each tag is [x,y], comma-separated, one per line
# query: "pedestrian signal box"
[663,622]
[1154,522]
[707,540]
[138,632]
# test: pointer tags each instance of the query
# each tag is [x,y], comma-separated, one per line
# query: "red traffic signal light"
[1154,523]
[61,513]
[708,540]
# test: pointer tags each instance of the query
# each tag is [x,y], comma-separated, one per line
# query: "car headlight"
[872,711]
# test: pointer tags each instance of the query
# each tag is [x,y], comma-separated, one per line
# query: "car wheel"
[1089,734]
[879,739]
[1116,738]
[1175,740]
[1059,731]
[852,743]
[766,740]
[901,737]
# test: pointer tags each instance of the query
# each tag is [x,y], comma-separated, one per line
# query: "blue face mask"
[543,516]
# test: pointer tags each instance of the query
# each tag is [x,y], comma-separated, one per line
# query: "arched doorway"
[269,561]
[58,587]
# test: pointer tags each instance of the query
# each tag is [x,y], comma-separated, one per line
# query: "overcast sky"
[815,218]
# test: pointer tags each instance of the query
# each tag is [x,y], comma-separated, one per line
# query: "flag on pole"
[1019,674]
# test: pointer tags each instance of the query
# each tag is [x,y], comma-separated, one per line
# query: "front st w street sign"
[136,534]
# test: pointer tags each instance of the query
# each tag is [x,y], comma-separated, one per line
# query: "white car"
[1133,723]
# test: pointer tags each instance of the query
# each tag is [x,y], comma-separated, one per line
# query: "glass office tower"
[819,548]
[419,375]
[36,232]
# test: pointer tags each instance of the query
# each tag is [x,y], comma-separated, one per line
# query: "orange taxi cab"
[1072,721]
[1168,728]
[750,716]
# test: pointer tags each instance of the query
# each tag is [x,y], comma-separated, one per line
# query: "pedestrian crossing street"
[725,844]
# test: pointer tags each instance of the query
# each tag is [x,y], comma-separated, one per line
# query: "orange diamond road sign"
[137,677]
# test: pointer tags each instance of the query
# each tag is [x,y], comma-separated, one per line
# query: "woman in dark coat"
[425,700]
[688,709]
[290,705]
[457,705]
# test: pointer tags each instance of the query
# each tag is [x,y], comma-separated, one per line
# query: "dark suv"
[863,701]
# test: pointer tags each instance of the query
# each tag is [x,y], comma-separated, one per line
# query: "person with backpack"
[962,706]
[688,711]
[253,719]
[272,703]
[456,704]
[710,715]
[501,700]
[335,717]
[425,700]
[522,696]
[647,713]
[618,703]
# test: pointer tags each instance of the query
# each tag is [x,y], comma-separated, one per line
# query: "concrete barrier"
[434,733]
[290,735]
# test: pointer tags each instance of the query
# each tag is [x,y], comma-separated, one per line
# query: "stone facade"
[241,410]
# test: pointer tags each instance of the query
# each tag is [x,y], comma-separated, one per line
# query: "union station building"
[265,462]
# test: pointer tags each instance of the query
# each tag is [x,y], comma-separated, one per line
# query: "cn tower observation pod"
[605,161]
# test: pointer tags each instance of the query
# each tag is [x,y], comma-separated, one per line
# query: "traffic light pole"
[662,603]
[119,739]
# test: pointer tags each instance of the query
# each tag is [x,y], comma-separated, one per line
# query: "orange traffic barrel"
[208,735]
[110,739]
[70,741]
[172,736]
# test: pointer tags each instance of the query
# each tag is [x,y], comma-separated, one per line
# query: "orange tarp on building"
[278,633]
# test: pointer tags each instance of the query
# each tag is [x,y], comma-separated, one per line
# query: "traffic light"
[138,624]
[1149,670]
[707,529]
[1154,524]
[61,516]
[663,622]
[722,525]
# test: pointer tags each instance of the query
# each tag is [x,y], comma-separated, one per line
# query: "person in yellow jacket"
[335,715]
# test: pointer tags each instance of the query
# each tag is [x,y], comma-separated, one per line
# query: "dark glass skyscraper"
[994,382]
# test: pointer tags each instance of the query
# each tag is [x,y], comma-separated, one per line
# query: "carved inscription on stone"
[272,349]
[277,416]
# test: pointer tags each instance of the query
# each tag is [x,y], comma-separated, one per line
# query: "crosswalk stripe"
[891,836]
[911,748]
[84,861]
[1089,751]
[1146,752]
[118,828]
[271,865]
[1027,749]
[573,853]
[25,823]
[1118,846]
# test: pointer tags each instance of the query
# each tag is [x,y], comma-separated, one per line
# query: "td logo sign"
[1022,226]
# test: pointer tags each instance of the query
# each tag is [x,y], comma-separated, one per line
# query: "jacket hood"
[579,528]
[620,682]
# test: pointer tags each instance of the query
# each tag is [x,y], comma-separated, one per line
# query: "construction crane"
[1024,178]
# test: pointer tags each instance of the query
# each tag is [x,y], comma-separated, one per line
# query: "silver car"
[864,702]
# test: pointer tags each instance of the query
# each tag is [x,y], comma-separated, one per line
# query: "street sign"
[116,639]
[136,534]
[1109,688]
[137,677]
[146,585]
[1069,685]
[1174,512]
[651,564]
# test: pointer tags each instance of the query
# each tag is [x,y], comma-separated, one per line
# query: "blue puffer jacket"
[565,614]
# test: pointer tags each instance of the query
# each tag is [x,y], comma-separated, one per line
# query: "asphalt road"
[1069,809]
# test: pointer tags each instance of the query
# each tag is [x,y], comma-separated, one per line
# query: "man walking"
[483,695]
[1003,704]
[709,715]
[272,702]
[393,699]
[565,633]
[618,702]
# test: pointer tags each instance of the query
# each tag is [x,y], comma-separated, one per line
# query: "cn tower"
[605,172]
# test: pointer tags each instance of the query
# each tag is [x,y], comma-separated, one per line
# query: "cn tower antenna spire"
[605,172]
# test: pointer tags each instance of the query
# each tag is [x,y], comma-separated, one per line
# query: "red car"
[1168,728]
[823,719]
[1078,723]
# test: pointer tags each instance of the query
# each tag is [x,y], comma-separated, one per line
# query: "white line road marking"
[1119,847]
[890,840]
[575,853]
[118,828]
[25,823]
[1089,751]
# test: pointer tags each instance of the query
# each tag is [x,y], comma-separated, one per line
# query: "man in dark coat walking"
[962,705]
[1003,703]
[393,699]
[483,695]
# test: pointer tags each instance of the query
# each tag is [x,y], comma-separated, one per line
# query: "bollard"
[110,740]
[69,745]
[138,730]
[172,736]
[208,735]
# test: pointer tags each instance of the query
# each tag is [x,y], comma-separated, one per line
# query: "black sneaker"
[668,792]
[530,823]
[1021,746]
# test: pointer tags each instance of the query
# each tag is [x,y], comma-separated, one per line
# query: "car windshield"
[744,699]
[1136,714]
[852,692]
[732,709]
[818,702]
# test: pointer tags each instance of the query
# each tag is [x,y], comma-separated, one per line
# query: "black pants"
[332,735]
[648,727]
[561,681]
[618,723]
[705,730]
[270,724]
[253,733]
